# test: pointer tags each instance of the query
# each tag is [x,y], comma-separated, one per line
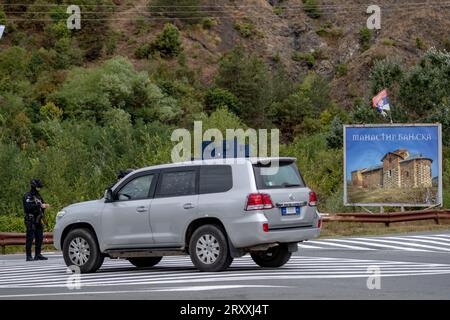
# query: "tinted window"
[177,183]
[287,176]
[136,189]
[215,179]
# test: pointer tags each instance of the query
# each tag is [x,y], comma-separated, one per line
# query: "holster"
[30,222]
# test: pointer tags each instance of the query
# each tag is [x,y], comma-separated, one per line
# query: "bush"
[311,8]
[115,84]
[365,36]
[143,51]
[420,44]
[386,73]
[208,23]
[2,17]
[186,10]
[246,28]
[328,30]
[306,57]
[168,42]
[388,42]
[341,69]
[217,97]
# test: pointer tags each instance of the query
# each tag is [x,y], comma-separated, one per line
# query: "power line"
[440,6]
[183,18]
[319,6]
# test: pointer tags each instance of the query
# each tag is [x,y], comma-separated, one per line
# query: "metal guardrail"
[13,238]
[388,218]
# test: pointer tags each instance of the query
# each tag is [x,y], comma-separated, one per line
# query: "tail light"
[258,201]
[312,199]
[319,223]
[265,227]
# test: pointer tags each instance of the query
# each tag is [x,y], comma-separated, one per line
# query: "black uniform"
[33,221]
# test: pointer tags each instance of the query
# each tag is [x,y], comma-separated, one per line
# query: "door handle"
[142,209]
[188,206]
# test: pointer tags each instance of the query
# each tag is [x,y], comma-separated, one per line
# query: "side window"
[214,179]
[178,183]
[137,188]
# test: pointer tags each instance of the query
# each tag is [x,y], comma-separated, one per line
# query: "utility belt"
[31,219]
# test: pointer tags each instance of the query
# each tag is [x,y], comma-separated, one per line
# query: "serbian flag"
[381,102]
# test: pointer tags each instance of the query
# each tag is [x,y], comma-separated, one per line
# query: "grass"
[333,229]
[21,249]
[399,195]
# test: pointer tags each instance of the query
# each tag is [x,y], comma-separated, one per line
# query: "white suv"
[212,210]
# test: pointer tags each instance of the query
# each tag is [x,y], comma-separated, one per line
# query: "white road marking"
[376,244]
[331,243]
[403,243]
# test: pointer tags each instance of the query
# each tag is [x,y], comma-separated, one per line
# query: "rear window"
[214,179]
[287,176]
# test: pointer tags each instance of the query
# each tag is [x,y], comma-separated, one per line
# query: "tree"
[248,78]
[217,97]
[427,85]
[115,84]
[335,136]
[386,74]
[168,42]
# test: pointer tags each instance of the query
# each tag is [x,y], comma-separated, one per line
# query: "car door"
[174,205]
[126,221]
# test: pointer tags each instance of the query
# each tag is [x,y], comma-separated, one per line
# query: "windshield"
[287,176]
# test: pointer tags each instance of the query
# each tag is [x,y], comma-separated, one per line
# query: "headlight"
[60,214]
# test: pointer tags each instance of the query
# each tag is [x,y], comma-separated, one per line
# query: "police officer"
[34,207]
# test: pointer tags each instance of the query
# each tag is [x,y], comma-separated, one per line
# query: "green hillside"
[76,106]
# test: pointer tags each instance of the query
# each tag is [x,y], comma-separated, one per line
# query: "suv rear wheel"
[273,258]
[80,248]
[208,248]
[145,261]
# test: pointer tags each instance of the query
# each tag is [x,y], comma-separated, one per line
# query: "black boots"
[29,258]
[40,257]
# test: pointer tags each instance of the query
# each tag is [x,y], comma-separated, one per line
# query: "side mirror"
[109,195]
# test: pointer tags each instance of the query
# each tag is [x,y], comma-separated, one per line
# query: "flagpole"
[390,116]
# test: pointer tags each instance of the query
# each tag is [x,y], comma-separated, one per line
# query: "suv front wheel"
[273,258]
[80,248]
[208,248]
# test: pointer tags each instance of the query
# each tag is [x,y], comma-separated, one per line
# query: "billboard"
[393,165]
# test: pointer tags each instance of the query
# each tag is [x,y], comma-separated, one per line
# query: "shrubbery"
[311,8]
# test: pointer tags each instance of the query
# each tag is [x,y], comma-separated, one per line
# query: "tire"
[145,261]
[208,248]
[74,243]
[273,258]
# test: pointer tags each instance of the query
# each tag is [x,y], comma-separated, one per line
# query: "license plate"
[287,211]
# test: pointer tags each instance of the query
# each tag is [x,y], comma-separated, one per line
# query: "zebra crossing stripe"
[243,270]
[403,243]
[424,241]
[442,240]
[331,243]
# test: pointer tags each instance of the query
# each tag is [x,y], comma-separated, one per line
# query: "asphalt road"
[412,266]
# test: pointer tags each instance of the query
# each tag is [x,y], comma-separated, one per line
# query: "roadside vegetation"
[73,113]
